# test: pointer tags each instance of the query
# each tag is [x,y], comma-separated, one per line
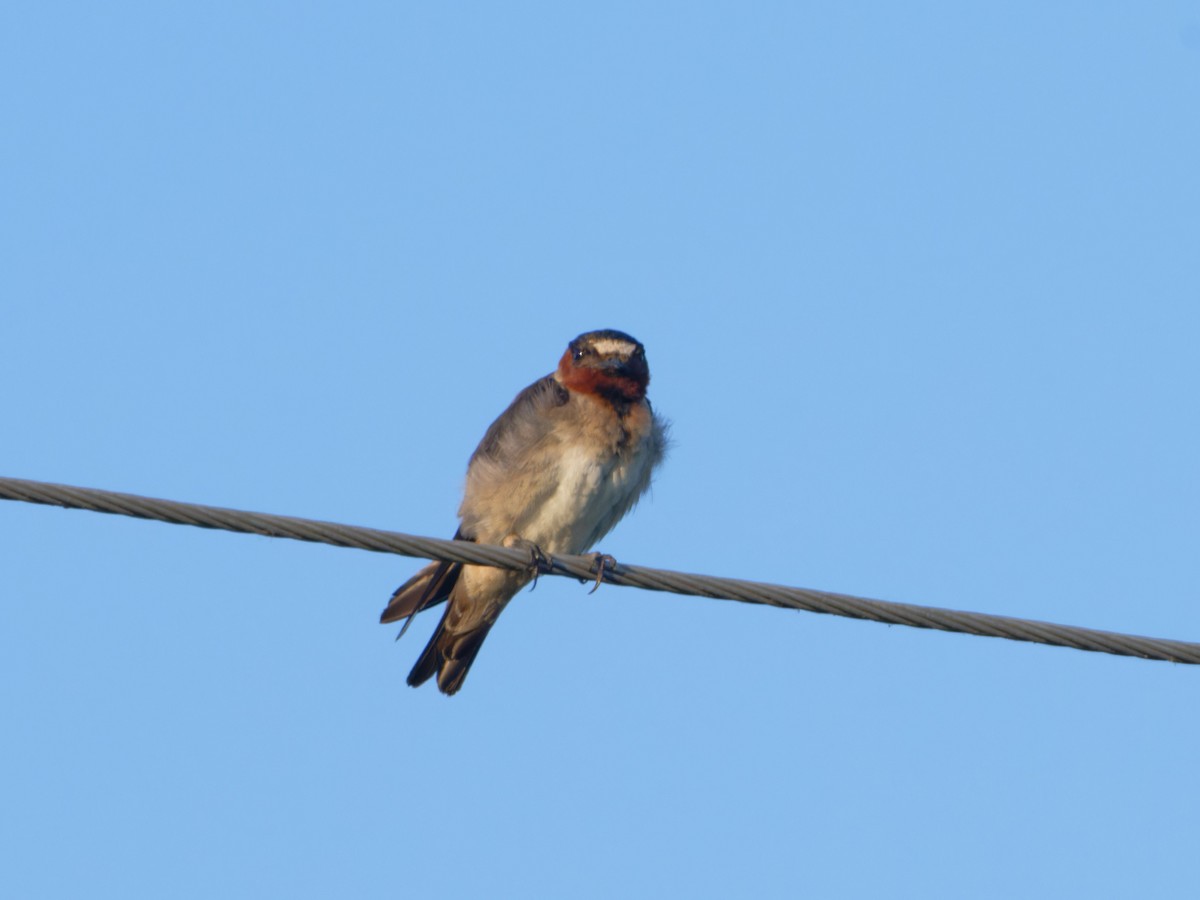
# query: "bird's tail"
[449,653]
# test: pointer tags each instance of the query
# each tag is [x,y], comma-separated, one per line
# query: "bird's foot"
[601,562]
[539,561]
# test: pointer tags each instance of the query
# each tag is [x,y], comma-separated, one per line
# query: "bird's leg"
[539,562]
[601,561]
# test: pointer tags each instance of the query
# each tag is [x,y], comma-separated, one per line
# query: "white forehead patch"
[613,347]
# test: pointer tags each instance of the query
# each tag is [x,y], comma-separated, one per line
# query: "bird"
[568,458]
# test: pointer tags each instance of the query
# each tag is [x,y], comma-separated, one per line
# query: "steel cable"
[584,567]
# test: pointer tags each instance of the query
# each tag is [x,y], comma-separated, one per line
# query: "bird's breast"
[591,479]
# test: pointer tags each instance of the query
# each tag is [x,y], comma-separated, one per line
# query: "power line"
[584,567]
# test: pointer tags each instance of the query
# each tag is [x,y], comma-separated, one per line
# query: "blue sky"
[919,289]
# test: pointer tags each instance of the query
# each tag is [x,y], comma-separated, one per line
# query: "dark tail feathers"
[449,656]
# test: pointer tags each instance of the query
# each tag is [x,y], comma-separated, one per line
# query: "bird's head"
[609,364]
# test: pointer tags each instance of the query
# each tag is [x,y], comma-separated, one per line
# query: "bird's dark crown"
[606,343]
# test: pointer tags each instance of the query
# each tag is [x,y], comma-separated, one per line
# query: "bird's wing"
[430,586]
[506,476]
[523,423]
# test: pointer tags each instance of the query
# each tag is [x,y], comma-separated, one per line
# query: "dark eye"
[580,353]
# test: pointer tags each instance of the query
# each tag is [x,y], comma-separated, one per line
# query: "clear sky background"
[920,291]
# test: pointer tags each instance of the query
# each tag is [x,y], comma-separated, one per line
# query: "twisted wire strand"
[584,567]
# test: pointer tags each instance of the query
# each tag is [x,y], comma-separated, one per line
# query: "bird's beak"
[624,368]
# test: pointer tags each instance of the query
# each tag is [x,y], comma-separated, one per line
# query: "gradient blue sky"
[920,290]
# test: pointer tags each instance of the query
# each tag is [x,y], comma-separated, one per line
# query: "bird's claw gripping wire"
[539,562]
[601,561]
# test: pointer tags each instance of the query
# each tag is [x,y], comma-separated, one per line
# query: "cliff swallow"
[560,467]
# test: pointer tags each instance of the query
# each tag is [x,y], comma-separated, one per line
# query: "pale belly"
[590,488]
